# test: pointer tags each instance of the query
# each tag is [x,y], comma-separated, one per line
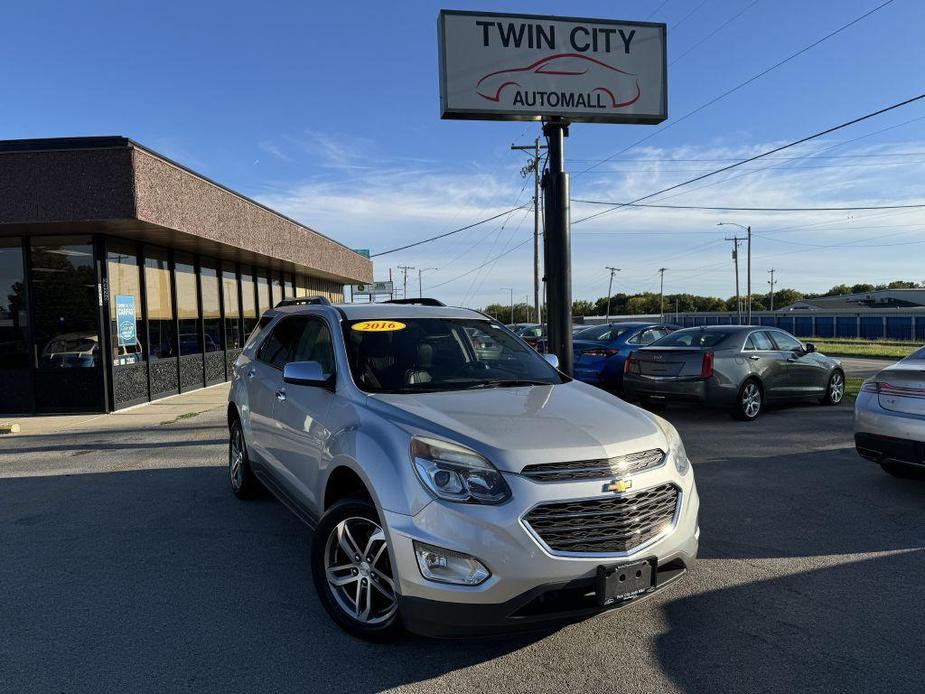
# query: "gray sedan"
[735,367]
[889,417]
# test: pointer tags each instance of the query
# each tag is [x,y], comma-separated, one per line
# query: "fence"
[908,325]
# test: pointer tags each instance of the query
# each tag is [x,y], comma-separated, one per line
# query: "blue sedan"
[601,351]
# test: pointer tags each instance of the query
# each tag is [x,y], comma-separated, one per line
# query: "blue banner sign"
[125,320]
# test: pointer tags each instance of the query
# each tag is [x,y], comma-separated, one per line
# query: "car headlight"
[675,445]
[453,472]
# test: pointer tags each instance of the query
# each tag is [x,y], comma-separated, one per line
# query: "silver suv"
[456,482]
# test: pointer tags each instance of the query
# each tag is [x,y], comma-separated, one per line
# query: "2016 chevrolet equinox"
[457,483]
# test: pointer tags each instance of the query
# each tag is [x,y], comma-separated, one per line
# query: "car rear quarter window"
[691,338]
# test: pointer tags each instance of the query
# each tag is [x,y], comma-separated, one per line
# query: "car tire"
[835,390]
[907,472]
[356,589]
[749,401]
[243,482]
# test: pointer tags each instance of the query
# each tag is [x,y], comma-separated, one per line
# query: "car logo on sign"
[619,485]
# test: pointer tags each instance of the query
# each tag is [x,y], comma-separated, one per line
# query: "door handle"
[281,394]
[251,373]
[754,357]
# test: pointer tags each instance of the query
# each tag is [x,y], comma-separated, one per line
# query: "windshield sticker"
[378,326]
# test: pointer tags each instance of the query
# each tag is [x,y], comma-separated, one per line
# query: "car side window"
[786,343]
[279,344]
[762,342]
[315,344]
[647,337]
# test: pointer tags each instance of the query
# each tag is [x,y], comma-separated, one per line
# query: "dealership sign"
[527,67]
[373,288]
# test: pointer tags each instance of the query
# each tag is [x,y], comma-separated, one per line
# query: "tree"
[582,307]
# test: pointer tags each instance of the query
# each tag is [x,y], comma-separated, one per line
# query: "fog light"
[447,566]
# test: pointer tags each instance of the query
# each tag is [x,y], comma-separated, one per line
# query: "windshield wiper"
[508,383]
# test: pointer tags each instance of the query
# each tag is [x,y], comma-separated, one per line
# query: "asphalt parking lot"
[148,575]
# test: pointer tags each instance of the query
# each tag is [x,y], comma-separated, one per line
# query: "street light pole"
[736,240]
[661,294]
[421,271]
[610,290]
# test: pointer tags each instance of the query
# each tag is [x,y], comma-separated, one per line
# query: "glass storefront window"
[211,305]
[14,351]
[301,288]
[161,326]
[187,305]
[290,287]
[248,301]
[277,288]
[232,312]
[65,302]
[263,291]
[124,303]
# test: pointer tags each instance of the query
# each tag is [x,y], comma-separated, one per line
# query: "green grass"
[852,387]
[886,349]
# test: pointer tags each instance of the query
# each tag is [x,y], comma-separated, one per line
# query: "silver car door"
[265,379]
[800,367]
[767,363]
[301,417]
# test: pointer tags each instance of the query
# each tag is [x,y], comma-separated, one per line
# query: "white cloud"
[368,200]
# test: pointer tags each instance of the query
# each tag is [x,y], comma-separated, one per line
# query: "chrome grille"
[595,469]
[609,524]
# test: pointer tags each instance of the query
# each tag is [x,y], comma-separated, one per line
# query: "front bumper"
[528,584]
[555,603]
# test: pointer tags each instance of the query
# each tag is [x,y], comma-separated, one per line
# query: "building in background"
[126,277]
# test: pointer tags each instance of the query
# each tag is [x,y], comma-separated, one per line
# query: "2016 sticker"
[378,326]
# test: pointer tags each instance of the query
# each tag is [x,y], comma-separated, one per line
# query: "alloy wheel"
[751,400]
[358,572]
[836,387]
[236,459]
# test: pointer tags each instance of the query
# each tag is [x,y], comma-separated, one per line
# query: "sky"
[329,113]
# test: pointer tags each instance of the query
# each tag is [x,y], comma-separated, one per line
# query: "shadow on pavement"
[162,580]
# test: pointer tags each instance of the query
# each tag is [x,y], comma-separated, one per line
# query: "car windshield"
[604,333]
[693,337]
[417,355]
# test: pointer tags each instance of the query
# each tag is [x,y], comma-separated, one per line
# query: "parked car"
[453,491]
[70,350]
[736,367]
[889,417]
[533,335]
[600,351]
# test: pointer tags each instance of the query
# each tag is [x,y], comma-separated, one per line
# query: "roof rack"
[425,301]
[304,301]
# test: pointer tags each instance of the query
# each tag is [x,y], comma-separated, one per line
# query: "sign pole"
[557,246]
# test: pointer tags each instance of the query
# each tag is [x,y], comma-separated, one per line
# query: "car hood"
[514,427]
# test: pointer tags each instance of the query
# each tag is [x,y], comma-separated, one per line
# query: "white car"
[889,417]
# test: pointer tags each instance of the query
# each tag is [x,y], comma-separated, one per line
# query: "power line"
[750,209]
[488,262]
[738,86]
[448,233]
[769,152]
[714,32]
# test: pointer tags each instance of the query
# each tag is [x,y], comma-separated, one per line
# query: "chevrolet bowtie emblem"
[619,485]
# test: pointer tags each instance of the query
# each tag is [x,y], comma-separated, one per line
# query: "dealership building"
[126,277]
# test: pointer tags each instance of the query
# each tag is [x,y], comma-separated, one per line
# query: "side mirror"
[306,373]
[552,359]
[810,347]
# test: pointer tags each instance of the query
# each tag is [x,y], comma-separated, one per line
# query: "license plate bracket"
[624,581]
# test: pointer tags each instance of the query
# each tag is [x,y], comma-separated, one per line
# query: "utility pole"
[609,290]
[511,290]
[736,240]
[534,166]
[661,294]
[558,246]
[404,271]
[748,281]
[771,282]
[391,293]
[421,271]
